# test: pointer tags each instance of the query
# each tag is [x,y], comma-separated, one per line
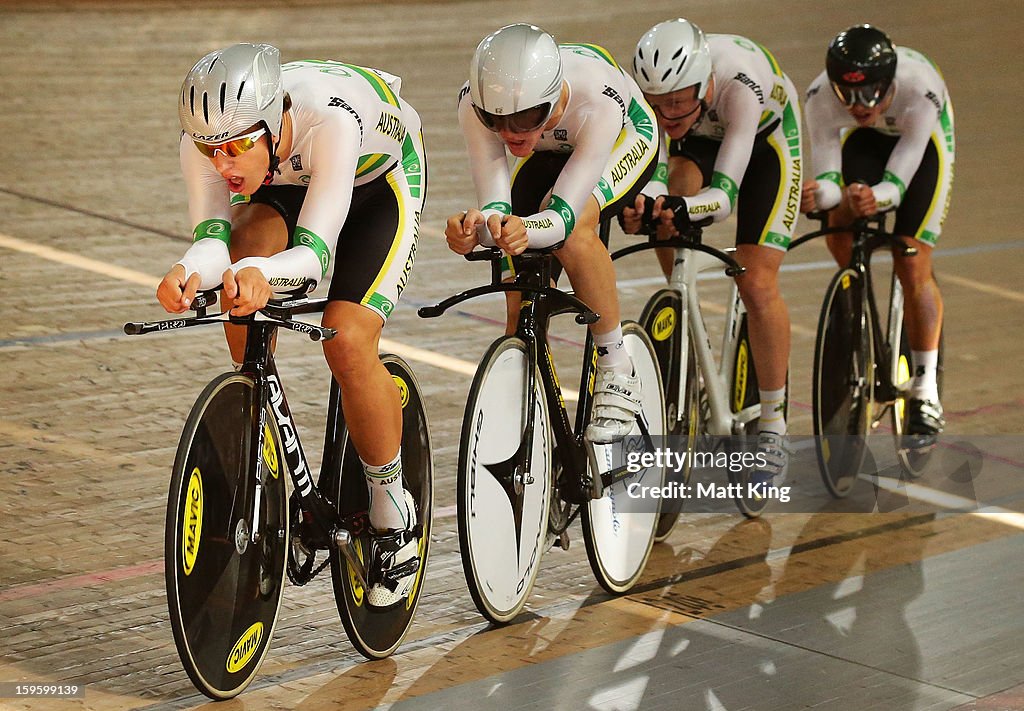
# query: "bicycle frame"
[329,529]
[691,258]
[869,234]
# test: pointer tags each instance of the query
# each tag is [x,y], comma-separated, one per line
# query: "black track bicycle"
[862,366]
[525,472]
[233,532]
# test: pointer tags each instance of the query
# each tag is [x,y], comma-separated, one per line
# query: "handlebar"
[867,229]
[278,312]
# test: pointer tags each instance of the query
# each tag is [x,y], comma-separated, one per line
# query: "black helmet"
[861,63]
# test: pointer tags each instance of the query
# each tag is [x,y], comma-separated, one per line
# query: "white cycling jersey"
[919,110]
[752,97]
[607,126]
[349,126]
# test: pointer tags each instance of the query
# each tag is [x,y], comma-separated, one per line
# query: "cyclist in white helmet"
[732,123]
[881,127]
[584,143]
[288,169]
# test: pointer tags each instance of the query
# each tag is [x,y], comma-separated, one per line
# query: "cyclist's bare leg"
[840,244]
[922,311]
[686,180]
[768,317]
[589,267]
[257,230]
[369,398]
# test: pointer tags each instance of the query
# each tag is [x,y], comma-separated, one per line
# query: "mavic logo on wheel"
[245,648]
[740,380]
[192,524]
[270,452]
[664,324]
[403,390]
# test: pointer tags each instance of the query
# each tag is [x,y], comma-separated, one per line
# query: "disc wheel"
[377,633]
[503,507]
[224,580]
[843,381]
[619,528]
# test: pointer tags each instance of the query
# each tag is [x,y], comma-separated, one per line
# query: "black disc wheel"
[843,382]
[224,555]
[377,633]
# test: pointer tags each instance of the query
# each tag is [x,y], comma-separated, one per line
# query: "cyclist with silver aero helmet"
[732,124]
[881,127]
[287,169]
[584,144]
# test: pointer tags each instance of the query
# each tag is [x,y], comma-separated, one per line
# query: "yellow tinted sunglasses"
[233,148]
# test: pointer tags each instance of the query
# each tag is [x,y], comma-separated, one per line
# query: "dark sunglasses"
[519,122]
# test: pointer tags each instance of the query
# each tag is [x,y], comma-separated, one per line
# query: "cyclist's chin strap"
[275,163]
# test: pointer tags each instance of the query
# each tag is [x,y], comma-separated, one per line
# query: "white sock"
[773,411]
[924,386]
[387,496]
[611,352]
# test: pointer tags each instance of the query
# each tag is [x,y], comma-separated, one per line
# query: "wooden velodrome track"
[898,610]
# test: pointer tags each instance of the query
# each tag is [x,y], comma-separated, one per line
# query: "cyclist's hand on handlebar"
[861,199]
[175,293]
[248,290]
[673,213]
[512,238]
[631,219]
[460,231]
[808,196]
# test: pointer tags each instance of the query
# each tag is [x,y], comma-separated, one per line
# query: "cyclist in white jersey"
[881,127]
[732,123]
[287,169]
[584,143]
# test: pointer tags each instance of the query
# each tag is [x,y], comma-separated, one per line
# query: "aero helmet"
[671,56]
[516,70]
[861,64]
[230,90]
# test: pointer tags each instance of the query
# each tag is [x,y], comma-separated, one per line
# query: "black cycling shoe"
[924,423]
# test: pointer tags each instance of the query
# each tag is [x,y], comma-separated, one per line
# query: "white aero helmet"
[516,70]
[672,55]
[230,90]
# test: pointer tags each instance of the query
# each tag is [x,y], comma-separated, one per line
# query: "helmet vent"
[223,89]
[206,109]
[240,87]
[667,72]
[644,72]
[215,60]
[656,53]
[678,52]
[192,100]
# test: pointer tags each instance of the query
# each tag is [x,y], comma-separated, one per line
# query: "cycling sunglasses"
[233,148]
[868,95]
[519,122]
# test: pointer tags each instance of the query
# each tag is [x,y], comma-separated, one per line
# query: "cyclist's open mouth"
[235,184]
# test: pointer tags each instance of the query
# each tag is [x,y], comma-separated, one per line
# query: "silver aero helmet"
[515,78]
[672,55]
[230,90]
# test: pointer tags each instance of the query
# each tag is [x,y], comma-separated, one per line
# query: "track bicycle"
[232,532]
[525,473]
[705,400]
[861,370]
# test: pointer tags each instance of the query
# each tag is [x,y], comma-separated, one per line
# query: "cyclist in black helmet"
[881,128]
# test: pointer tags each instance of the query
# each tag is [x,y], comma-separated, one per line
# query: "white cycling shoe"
[394,561]
[616,405]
